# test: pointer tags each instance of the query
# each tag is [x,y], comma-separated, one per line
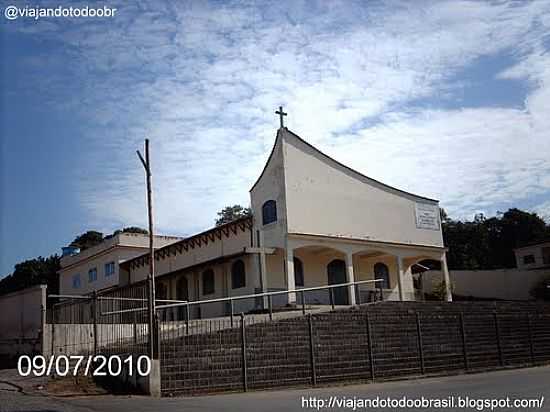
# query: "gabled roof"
[338,164]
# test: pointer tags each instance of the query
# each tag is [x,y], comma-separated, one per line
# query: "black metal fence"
[374,342]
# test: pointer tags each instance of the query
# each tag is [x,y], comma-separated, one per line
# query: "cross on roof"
[281,114]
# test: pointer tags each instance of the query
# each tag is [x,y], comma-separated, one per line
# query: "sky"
[449,100]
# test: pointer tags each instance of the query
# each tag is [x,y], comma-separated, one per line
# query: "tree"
[129,229]
[231,213]
[489,243]
[87,240]
[33,272]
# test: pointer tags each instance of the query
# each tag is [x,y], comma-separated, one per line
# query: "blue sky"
[449,100]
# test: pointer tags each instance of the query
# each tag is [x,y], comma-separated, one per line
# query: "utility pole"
[153,335]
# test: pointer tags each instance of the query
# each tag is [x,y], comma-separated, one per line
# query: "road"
[532,383]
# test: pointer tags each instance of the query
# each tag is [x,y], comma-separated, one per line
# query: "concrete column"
[262,267]
[400,278]
[290,280]
[350,278]
[446,279]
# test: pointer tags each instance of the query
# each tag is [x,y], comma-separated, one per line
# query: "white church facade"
[315,222]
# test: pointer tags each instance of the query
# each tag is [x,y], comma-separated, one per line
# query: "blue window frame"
[76,281]
[269,212]
[109,269]
[92,275]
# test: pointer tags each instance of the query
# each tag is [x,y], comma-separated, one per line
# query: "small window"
[76,281]
[109,269]
[269,212]
[238,275]
[528,259]
[381,271]
[208,283]
[92,275]
[298,272]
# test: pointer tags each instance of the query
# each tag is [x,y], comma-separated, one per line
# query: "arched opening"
[381,271]
[336,273]
[298,272]
[208,282]
[269,212]
[238,275]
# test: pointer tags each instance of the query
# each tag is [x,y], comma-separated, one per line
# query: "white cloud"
[202,81]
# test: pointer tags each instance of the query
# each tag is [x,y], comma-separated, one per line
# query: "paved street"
[523,383]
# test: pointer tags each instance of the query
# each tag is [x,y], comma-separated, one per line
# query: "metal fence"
[113,322]
[375,342]
[116,321]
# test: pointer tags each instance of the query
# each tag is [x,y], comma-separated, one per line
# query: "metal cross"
[281,114]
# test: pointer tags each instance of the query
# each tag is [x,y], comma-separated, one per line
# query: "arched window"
[238,275]
[161,291]
[381,271]
[269,212]
[298,272]
[208,283]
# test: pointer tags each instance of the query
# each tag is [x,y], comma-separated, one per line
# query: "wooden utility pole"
[153,335]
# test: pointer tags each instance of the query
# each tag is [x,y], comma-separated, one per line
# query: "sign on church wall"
[427,216]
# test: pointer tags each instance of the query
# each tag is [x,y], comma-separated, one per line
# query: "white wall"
[508,284]
[270,186]
[21,320]
[325,198]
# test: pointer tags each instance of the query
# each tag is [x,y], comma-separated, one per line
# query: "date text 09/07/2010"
[97,365]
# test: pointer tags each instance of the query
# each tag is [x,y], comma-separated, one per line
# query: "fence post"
[231,307]
[530,332]
[303,302]
[53,328]
[94,319]
[381,289]
[420,345]
[270,307]
[135,329]
[463,336]
[331,294]
[243,353]
[371,349]
[187,319]
[312,351]
[497,330]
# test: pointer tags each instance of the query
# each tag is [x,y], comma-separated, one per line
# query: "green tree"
[489,243]
[87,240]
[33,272]
[231,213]
[129,229]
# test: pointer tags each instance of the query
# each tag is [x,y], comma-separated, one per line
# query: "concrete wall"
[540,253]
[326,198]
[21,321]
[226,246]
[271,186]
[507,284]
[222,288]
[117,249]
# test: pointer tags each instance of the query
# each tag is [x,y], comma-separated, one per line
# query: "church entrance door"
[336,271]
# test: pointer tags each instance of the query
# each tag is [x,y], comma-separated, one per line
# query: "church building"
[314,222]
